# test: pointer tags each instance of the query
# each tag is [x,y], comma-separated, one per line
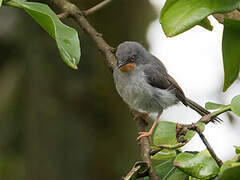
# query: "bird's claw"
[144,134]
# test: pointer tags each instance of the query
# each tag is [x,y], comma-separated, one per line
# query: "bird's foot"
[145,134]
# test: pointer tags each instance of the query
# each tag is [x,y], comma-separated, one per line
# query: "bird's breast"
[134,89]
[139,94]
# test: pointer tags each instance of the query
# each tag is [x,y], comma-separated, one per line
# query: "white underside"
[140,95]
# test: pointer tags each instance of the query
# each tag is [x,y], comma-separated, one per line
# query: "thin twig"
[181,130]
[96,8]
[208,146]
[107,51]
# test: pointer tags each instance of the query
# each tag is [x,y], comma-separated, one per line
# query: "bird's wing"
[159,78]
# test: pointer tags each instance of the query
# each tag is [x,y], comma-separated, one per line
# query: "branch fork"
[181,130]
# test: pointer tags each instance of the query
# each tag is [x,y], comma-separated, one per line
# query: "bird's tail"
[199,109]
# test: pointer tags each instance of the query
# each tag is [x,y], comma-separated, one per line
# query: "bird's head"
[130,55]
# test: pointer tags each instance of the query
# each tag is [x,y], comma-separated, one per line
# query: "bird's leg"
[150,132]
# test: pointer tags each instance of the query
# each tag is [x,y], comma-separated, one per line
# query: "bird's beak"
[122,63]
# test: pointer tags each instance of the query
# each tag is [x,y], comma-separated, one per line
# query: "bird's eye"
[133,57]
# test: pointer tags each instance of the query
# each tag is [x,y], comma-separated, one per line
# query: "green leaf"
[163,155]
[231,174]
[237,149]
[205,23]
[167,171]
[211,105]
[164,168]
[181,15]
[231,53]
[1,1]
[200,165]
[163,165]
[65,36]
[165,135]
[235,105]
[139,169]
[230,170]
[166,6]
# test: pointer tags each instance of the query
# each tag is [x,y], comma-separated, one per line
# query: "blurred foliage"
[57,123]
[66,37]
[213,106]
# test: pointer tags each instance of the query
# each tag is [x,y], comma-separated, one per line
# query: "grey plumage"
[139,94]
[148,87]
[138,88]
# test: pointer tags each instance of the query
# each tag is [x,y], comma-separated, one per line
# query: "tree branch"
[96,8]
[145,148]
[233,15]
[208,146]
[108,52]
[63,15]
[182,129]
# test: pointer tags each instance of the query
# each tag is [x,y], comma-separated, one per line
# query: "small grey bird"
[144,84]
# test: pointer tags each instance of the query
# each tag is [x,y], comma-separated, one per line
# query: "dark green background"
[58,123]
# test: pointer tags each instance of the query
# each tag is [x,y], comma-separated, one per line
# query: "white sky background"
[194,59]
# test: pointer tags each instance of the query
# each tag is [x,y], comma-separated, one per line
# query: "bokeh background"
[58,123]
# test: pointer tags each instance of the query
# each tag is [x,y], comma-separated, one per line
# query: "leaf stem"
[209,117]
[221,110]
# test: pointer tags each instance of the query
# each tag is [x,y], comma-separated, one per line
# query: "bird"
[143,82]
